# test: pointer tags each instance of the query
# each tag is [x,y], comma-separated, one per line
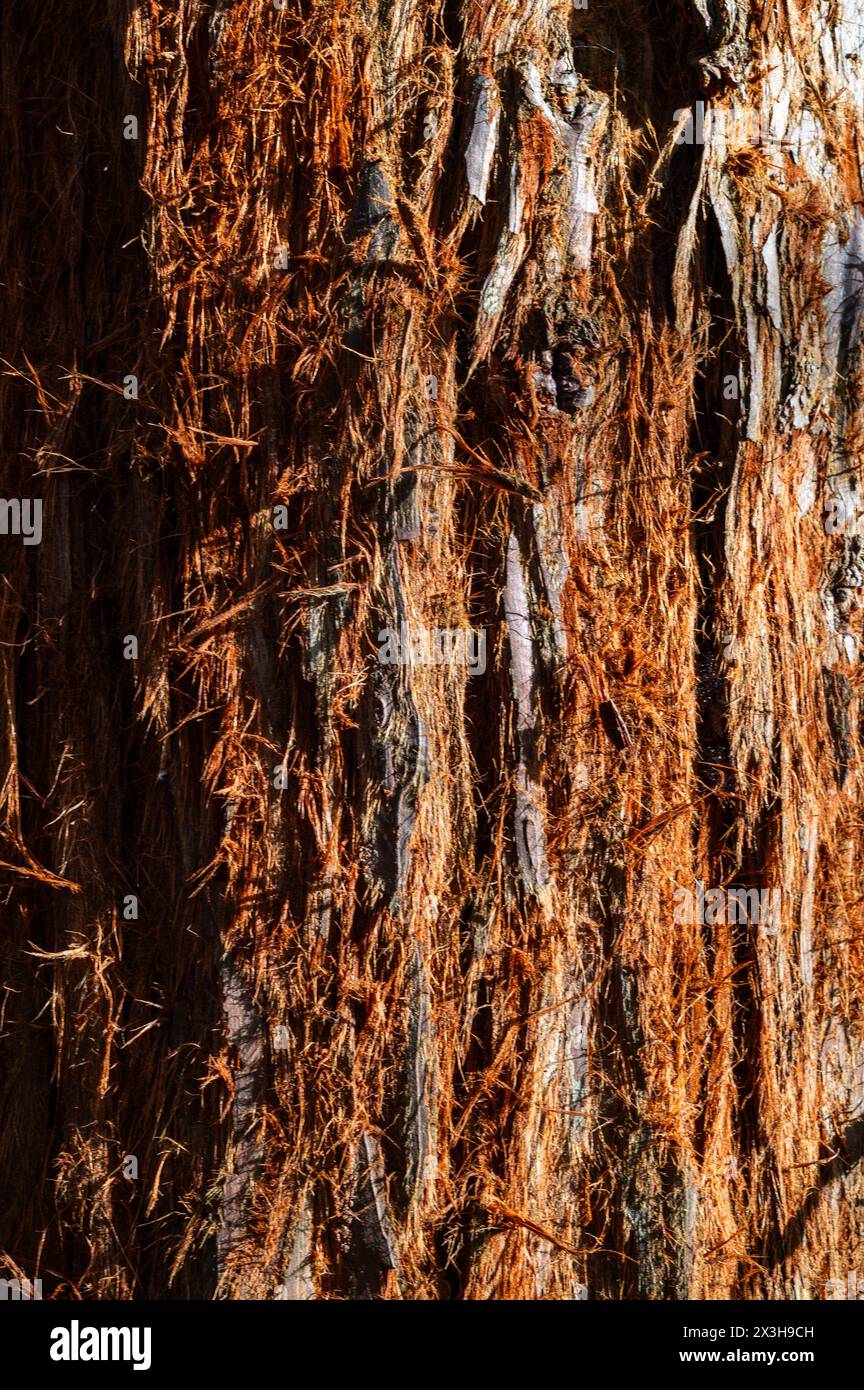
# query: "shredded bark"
[327,327]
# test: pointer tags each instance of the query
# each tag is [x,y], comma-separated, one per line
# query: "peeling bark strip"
[244,1042]
[529,834]
[490,319]
[614,725]
[373,1245]
[421,1116]
[484,137]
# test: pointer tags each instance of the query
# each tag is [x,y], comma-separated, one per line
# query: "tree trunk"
[447,425]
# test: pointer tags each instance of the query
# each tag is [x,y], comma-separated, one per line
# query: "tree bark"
[331,974]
